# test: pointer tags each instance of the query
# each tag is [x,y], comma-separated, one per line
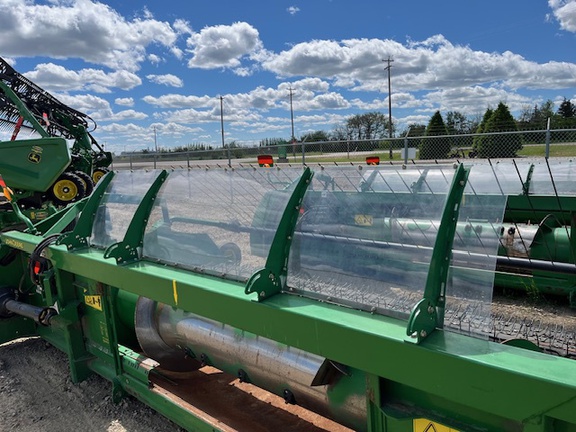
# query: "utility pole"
[388,68]
[222,128]
[292,123]
[155,141]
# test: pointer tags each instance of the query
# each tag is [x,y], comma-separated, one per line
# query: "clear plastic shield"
[122,197]
[365,236]
[218,221]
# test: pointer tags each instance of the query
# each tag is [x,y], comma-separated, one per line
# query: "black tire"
[232,253]
[88,183]
[68,188]
[98,174]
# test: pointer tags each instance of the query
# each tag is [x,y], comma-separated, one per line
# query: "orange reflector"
[265,161]
[37,268]
[5,189]
[373,160]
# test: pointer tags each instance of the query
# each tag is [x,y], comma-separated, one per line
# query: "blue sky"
[139,67]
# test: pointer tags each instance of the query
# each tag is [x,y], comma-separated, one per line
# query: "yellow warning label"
[93,301]
[363,220]
[424,425]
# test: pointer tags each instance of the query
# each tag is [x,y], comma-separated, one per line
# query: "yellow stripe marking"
[175,289]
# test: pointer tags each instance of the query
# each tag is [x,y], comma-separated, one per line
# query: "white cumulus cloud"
[223,45]
[84,29]
[565,12]
[57,78]
[167,80]
[293,10]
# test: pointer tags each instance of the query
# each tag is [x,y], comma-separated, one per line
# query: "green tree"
[414,130]
[477,142]
[315,136]
[368,126]
[491,145]
[536,118]
[456,123]
[567,109]
[435,144]
[461,127]
[268,142]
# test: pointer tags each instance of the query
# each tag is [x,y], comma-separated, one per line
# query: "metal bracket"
[425,316]
[271,279]
[127,251]
[78,237]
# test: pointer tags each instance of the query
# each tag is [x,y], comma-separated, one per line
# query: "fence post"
[303,154]
[188,160]
[130,161]
[154,160]
[548,138]
[406,150]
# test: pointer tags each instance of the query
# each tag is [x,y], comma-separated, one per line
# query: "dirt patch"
[36,394]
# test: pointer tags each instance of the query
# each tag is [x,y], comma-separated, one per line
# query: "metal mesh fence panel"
[498,145]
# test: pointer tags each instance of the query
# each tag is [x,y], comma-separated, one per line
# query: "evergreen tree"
[435,148]
[499,145]
[567,109]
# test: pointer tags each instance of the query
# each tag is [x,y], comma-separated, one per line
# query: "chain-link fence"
[518,144]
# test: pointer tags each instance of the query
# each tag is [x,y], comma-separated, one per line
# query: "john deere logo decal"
[35,155]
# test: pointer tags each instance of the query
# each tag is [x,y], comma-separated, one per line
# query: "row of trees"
[441,135]
[488,143]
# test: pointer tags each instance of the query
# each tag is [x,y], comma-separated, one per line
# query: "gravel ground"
[36,394]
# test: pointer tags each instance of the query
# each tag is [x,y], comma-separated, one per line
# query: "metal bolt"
[423,333]
[430,310]
[262,294]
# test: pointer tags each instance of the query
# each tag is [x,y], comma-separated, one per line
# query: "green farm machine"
[43,171]
[371,298]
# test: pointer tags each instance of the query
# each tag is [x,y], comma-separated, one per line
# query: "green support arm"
[78,237]
[271,279]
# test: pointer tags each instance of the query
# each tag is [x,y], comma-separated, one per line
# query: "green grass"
[556,150]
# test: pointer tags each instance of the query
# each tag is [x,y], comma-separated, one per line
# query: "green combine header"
[367,295]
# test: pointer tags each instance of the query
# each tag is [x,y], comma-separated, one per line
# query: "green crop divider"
[271,279]
[126,251]
[78,237]
[424,317]
[526,184]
